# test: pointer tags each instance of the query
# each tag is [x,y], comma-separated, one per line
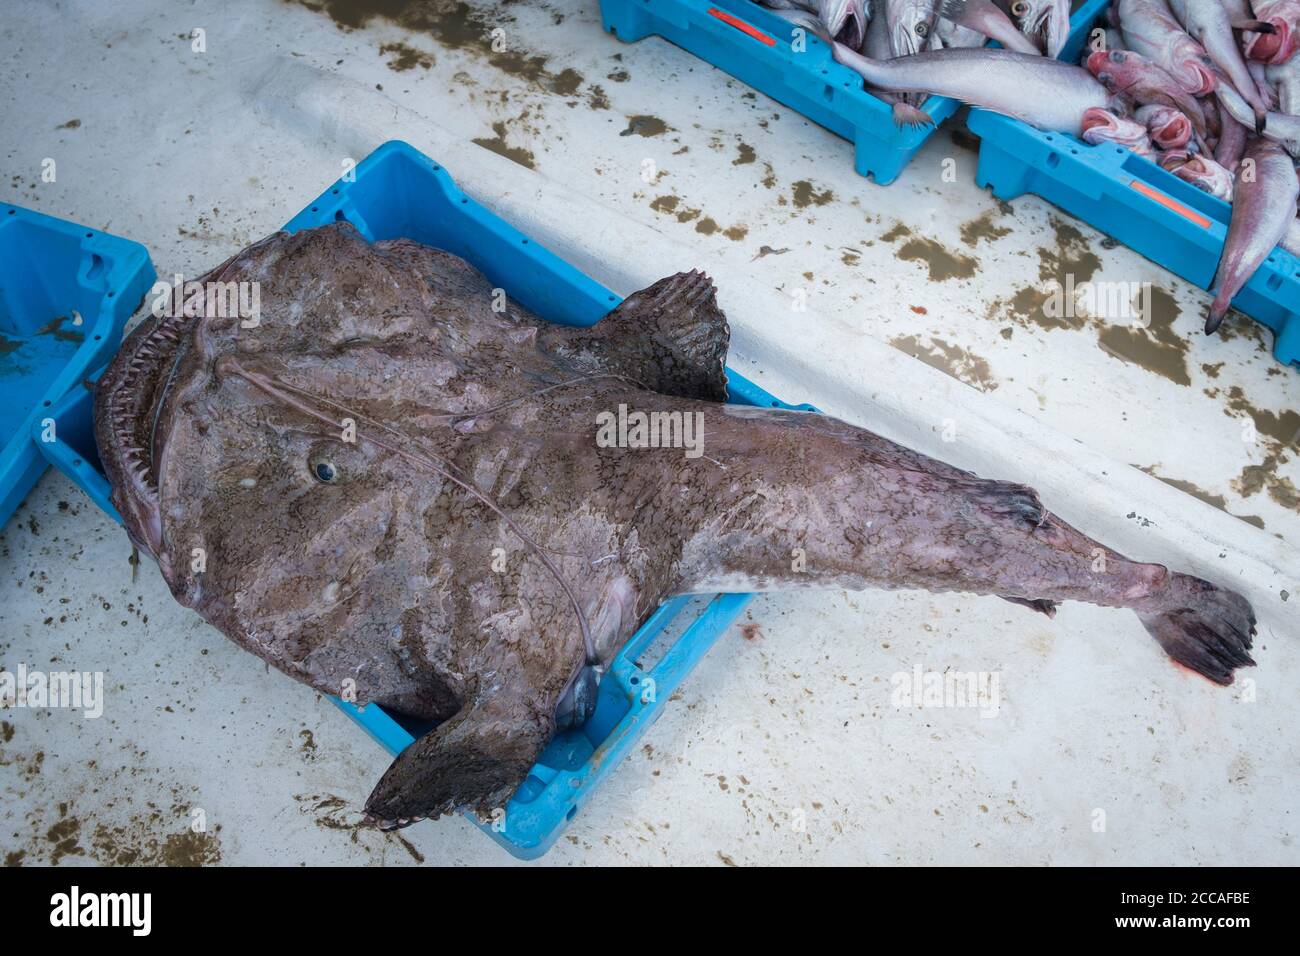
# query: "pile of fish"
[403,494]
[890,29]
[1207,89]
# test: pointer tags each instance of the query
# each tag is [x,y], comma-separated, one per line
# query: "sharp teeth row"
[168,332]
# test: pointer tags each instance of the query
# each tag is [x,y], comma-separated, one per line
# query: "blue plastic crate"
[399,192]
[1134,201]
[754,44]
[66,291]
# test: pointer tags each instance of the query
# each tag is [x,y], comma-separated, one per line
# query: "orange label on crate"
[1189,214]
[742,26]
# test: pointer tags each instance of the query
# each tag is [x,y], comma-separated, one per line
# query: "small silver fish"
[1045,93]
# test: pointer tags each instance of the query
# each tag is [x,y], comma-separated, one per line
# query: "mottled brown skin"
[475,431]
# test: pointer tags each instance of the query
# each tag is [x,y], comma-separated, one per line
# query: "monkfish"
[392,486]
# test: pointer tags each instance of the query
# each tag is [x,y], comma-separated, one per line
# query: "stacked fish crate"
[1131,199]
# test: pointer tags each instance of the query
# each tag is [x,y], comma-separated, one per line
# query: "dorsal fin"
[671,336]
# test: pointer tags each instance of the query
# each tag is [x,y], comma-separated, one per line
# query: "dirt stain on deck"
[1282,427]
[64,837]
[746,155]
[805,195]
[403,57]
[982,228]
[1217,501]
[1280,432]
[952,360]
[943,263]
[645,126]
[896,233]
[455,26]
[1264,477]
[1158,346]
[157,838]
[671,205]
[1069,264]
[498,145]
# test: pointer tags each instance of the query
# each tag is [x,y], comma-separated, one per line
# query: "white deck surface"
[197,154]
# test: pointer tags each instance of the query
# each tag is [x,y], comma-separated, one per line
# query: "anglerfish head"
[231,443]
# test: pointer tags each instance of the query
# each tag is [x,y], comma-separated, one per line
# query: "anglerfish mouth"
[129,401]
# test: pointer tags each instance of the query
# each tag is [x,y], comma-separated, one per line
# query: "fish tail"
[1203,627]
[905,114]
[856,511]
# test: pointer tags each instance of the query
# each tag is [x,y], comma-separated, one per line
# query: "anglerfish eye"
[324,470]
[922,29]
[1020,8]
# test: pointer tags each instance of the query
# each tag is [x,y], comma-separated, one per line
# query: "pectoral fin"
[473,761]
[670,337]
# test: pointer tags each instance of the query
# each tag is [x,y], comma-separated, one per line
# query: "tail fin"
[1204,627]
